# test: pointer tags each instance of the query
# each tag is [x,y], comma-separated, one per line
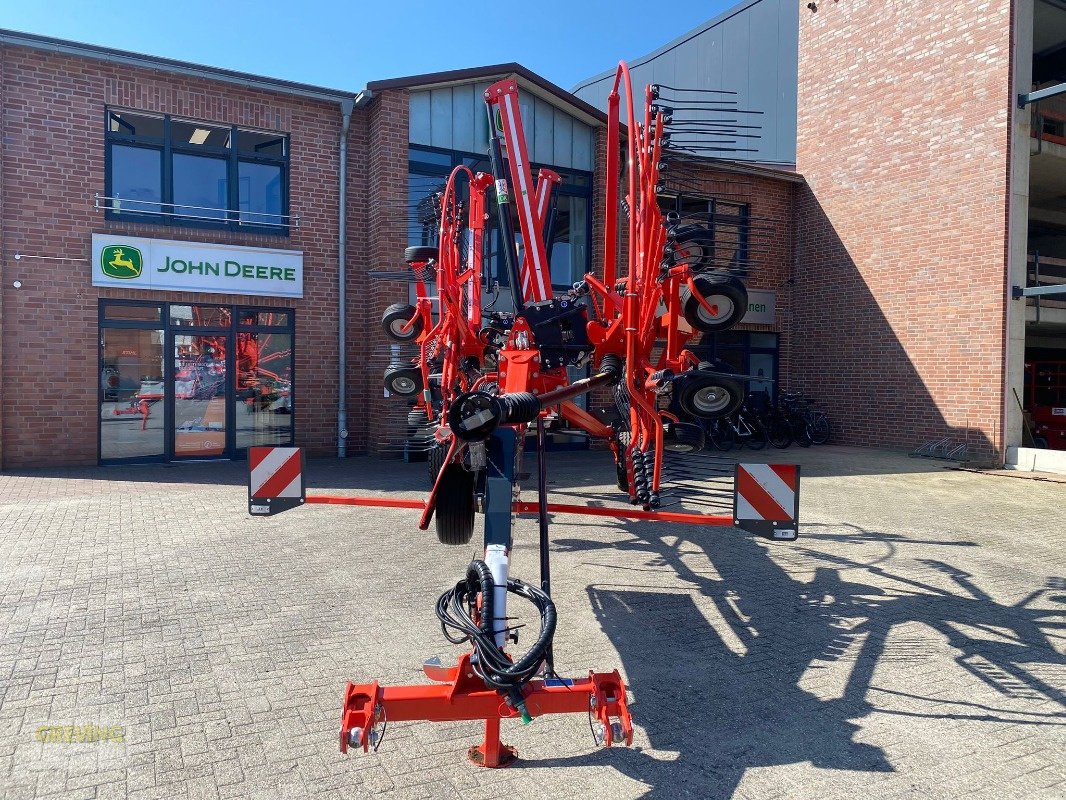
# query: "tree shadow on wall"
[728,697]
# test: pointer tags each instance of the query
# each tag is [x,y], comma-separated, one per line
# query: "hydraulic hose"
[491,663]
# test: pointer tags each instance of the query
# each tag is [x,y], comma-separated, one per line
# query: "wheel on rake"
[683,437]
[454,514]
[692,245]
[726,296]
[403,380]
[420,255]
[707,396]
[396,317]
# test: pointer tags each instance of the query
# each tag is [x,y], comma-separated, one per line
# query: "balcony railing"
[184,212]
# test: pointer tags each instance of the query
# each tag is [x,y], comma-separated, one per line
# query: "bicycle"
[808,425]
[741,428]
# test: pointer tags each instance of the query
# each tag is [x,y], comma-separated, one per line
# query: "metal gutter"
[342,271]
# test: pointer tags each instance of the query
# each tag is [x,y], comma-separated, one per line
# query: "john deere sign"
[166,265]
[121,262]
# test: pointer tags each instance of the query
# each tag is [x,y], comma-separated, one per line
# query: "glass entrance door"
[182,382]
[131,393]
[199,377]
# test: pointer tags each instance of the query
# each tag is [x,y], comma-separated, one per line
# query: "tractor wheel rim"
[722,305]
[403,385]
[396,326]
[711,399]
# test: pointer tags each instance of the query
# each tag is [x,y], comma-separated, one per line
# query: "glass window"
[263,399]
[129,313]
[199,134]
[260,192]
[767,340]
[200,316]
[196,173]
[569,250]
[141,126]
[198,370]
[131,393]
[261,144]
[200,186]
[136,179]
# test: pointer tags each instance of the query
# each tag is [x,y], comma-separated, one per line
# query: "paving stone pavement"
[910,644]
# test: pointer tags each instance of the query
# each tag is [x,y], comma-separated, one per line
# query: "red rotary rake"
[484,378]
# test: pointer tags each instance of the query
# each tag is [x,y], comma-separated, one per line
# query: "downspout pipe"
[342,295]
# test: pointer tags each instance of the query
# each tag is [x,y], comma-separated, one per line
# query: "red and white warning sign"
[275,479]
[766,499]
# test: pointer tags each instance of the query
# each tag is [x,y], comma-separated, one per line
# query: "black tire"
[706,396]
[621,476]
[819,430]
[683,437]
[800,434]
[394,319]
[692,245]
[435,460]
[454,514]
[778,433]
[724,292]
[420,255]
[403,381]
[721,435]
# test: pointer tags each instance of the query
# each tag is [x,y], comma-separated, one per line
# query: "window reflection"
[263,399]
[131,393]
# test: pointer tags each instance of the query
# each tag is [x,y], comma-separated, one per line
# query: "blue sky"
[345,44]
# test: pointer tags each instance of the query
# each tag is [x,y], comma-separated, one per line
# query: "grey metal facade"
[752,49]
[454,118]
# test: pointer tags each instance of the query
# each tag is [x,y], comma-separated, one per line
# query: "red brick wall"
[386,188]
[901,235]
[51,164]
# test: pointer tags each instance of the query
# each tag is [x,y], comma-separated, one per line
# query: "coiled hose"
[491,664]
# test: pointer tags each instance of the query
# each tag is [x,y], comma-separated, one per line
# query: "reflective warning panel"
[275,479]
[766,500]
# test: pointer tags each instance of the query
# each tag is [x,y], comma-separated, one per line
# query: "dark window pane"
[199,316]
[766,340]
[430,157]
[128,123]
[136,179]
[262,144]
[198,134]
[569,251]
[260,193]
[130,313]
[200,186]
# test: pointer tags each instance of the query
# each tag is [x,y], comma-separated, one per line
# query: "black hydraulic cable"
[491,663]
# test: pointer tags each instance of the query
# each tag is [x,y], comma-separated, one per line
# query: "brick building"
[170,281]
[171,238]
[930,193]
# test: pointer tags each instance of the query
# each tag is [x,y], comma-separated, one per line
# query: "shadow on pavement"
[727,697]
